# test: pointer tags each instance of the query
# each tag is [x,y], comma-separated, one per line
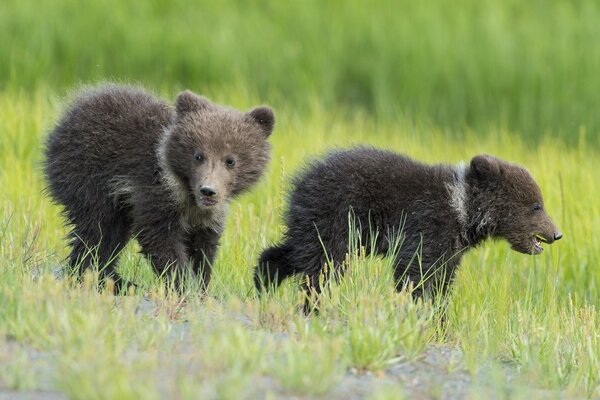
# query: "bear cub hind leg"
[99,244]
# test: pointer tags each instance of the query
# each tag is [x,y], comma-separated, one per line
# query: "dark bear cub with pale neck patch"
[124,163]
[434,212]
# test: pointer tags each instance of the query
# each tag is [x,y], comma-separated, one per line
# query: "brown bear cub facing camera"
[427,216]
[124,163]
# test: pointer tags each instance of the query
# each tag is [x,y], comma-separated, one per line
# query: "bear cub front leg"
[164,242]
[203,246]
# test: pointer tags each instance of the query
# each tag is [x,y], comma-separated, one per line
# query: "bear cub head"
[509,204]
[213,153]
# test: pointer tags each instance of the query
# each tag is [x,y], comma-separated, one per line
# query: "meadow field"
[439,81]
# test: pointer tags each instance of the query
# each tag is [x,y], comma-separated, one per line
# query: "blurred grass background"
[530,66]
[440,81]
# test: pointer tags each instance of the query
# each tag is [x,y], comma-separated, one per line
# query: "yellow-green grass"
[536,314]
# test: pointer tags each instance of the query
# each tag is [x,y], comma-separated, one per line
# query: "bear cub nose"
[207,191]
[557,235]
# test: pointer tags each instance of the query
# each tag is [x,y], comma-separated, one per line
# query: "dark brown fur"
[439,211]
[124,163]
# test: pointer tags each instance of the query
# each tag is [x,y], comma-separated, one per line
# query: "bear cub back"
[124,164]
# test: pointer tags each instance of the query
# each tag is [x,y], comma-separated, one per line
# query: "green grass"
[538,313]
[436,80]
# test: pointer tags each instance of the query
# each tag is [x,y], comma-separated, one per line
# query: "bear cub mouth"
[206,202]
[537,241]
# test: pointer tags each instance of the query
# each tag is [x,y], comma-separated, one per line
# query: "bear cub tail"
[273,267]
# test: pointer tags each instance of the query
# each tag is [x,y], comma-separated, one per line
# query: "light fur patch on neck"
[121,188]
[171,181]
[458,193]
[194,218]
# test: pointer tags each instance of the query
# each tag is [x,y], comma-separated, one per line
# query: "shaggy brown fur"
[124,163]
[435,212]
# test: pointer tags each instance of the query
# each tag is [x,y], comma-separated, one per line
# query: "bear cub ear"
[265,118]
[187,101]
[485,166]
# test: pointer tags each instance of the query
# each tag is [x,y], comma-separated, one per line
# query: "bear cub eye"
[536,207]
[230,161]
[199,157]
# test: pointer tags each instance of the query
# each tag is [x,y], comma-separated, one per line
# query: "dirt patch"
[439,372]
[30,395]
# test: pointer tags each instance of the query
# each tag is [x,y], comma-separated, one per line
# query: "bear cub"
[427,216]
[126,164]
